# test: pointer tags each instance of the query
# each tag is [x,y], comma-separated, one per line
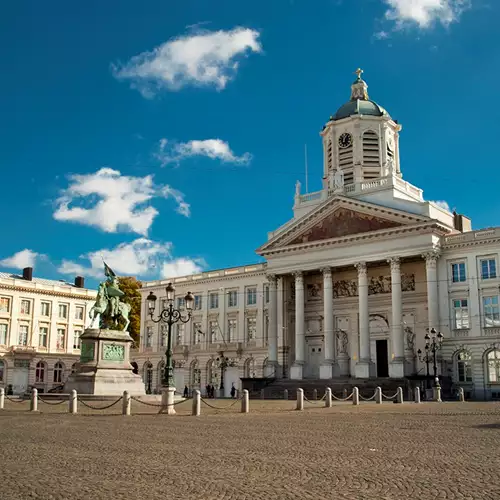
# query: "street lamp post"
[426,359]
[433,344]
[170,316]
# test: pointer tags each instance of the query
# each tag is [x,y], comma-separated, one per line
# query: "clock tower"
[360,141]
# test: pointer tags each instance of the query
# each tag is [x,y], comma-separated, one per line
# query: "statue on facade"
[338,179]
[108,304]
[298,185]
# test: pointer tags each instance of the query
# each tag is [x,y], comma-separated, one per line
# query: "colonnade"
[362,367]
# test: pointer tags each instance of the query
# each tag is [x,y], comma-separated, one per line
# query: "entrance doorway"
[382,358]
[314,359]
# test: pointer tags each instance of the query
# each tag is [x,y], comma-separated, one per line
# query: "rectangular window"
[149,336]
[266,294]
[196,333]
[461,313]
[79,311]
[23,335]
[214,301]
[180,334]
[61,338]
[45,309]
[3,333]
[25,306]
[458,274]
[232,298]
[76,339]
[251,296]
[491,311]
[198,302]
[163,335]
[488,269]
[4,304]
[43,335]
[63,311]
[266,329]
[214,328]
[251,328]
[231,330]
[181,302]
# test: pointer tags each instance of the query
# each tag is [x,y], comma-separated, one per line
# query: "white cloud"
[425,13]
[182,267]
[117,202]
[215,149]
[442,204]
[141,257]
[204,58]
[21,259]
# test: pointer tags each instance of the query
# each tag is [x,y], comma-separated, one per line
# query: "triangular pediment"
[338,218]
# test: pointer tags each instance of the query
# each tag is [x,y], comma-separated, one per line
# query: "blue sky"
[167,136]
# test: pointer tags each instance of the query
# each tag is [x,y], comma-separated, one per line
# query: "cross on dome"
[359,72]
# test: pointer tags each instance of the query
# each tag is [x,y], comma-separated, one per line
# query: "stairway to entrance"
[275,390]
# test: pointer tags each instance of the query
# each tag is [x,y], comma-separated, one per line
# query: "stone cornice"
[471,243]
[427,227]
[41,291]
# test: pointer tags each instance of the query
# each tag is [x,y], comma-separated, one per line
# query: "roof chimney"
[28,273]
[80,282]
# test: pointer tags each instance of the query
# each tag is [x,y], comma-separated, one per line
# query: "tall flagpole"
[307,176]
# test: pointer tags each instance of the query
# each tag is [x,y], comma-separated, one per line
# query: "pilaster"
[396,366]
[362,369]
[296,371]
[432,288]
[326,368]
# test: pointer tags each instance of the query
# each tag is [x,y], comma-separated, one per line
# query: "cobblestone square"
[387,451]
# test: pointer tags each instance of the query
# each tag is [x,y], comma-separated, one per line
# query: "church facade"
[351,284]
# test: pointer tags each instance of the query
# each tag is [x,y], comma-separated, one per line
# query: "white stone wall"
[17,358]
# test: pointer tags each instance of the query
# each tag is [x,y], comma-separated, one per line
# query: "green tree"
[130,287]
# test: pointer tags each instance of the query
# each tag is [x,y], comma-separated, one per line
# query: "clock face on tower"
[345,140]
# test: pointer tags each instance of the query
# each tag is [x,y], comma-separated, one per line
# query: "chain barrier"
[367,399]
[342,399]
[97,408]
[223,408]
[15,400]
[158,405]
[53,404]
[317,401]
[389,397]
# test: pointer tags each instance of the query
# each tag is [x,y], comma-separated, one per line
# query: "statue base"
[104,368]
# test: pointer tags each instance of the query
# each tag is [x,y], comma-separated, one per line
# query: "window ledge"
[491,331]
[461,332]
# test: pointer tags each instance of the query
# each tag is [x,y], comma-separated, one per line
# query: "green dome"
[359,107]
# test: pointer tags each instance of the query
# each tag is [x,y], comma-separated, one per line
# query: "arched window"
[249,368]
[371,155]
[58,372]
[40,372]
[161,372]
[329,154]
[195,375]
[464,366]
[2,370]
[493,366]
[212,373]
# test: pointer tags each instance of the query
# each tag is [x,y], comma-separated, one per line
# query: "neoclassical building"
[41,322]
[350,285]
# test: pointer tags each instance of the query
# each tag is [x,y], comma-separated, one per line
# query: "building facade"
[351,284]
[40,326]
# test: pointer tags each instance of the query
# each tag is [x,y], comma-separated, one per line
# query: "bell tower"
[360,142]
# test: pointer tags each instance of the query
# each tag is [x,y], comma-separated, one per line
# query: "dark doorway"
[382,359]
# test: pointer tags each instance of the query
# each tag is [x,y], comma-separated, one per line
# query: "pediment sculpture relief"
[344,222]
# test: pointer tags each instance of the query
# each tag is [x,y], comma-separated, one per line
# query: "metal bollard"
[285,394]
[2,398]
[34,400]
[399,395]
[461,395]
[378,395]
[355,396]
[315,394]
[328,398]
[417,394]
[73,402]
[262,394]
[126,403]
[245,402]
[300,399]
[196,403]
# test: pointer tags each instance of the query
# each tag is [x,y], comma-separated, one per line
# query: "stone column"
[432,288]
[298,365]
[362,369]
[326,368]
[272,349]
[396,366]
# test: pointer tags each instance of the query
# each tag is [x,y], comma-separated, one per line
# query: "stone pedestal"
[326,370]
[104,367]
[296,371]
[167,400]
[397,368]
[343,363]
[362,369]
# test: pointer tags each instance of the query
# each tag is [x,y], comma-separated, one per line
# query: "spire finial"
[359,88]
[359,72]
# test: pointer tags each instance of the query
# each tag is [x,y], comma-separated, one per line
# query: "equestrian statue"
[108,304]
